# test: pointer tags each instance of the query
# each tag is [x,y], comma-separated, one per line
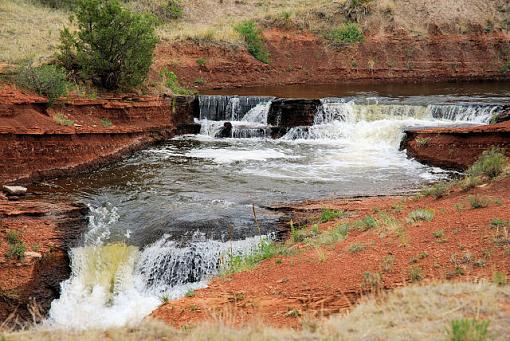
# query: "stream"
[166,219]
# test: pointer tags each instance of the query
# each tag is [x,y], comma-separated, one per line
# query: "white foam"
[224,155]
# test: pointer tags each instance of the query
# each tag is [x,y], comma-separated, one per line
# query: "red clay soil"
[46,230]
[330,279]
[34,145]
[456,147]
[300,57]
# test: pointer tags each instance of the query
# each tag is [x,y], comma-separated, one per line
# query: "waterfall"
[228,108]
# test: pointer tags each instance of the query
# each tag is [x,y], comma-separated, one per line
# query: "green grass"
[328,215]
[437,190]
[63,120]
[415,274]
[438,234]
[356,247]
[491,164]
[16,251]
[106,123]
[201,61]
[345,34]
[499,278]
[12,236]
[477,201]
[367,223]
[420,215]
[265,250]
[422,141]
[469,330]
[252,35]
[172,82]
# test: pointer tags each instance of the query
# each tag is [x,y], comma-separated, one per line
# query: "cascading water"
[160,219]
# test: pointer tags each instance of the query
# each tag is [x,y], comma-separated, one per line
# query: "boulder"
[226,131]
[289,113]
[14,190]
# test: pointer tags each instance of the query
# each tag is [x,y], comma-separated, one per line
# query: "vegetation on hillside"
[112,47]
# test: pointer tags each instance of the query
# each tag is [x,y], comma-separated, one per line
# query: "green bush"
[491,164]
[16,251]
[478,202]
[437,190]
[63,120]
[420,215]
[254,40]
[356,247]
[113,47]
[171,10]
[172,82]
[499,278]
[328,215]
[47,80]
[469,330]
[347,33]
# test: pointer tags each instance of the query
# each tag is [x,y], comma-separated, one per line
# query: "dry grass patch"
[410,313]
[28,30]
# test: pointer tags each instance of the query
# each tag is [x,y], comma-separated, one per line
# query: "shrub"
[437,190]
[415,274]
[172,82]
[420,215]
[328,215]
[491,164]
[347,33]
[469,182]
[12,237]
[254,40]
[201,62]
[106,122]
[422,141]
[171,10]
[499,278]
[63,120]
[367,223]
[16,251]
[113,47]
[438,234]
[371,280]
[356,247]
[190,293]
[387,263]
[469,330]
[47,80]
[478,202]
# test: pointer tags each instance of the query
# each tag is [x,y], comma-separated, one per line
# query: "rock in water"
[15,190]
[226,131]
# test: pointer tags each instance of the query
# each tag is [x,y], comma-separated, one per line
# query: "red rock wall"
[455,148]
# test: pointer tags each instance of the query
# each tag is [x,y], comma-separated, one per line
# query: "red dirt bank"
[33,145]
[300,57]
[458,147]
[320,282]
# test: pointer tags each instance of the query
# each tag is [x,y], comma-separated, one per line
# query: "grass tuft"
[469,330]
[420,215]
[252,35]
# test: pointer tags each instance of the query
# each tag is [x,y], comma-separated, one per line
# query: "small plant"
[171,10]
[420,215]
[459,271]
[199,81]
[315,230]
[480,263]
[47,80]
[397,207]
[63,120]
[12,237]
[356,247]
[293,313]
[328,215]
[415,274]
[422,141]
[347,33]
[254,40]
[469,330]
[190,293]
[478,202]
[172,82]
[499,278]
[469,182]
[165,299]
[367,223]
[491,164]
[321,255]
[436,191]
[201,62]
[438,234]
[16,251]
[387,263]
[371,280]
[497,223]
[106,123]
[36,247]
